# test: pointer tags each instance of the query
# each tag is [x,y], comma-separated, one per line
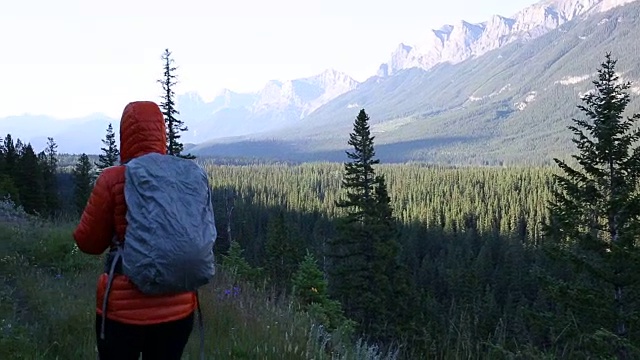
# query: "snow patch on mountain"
[531,96]
[571,80]
[390,125]
[473,98]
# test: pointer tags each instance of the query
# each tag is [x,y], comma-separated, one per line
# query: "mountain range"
[458,42]
[277,105]
[499,91]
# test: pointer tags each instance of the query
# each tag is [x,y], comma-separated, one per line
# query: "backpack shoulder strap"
[113,260]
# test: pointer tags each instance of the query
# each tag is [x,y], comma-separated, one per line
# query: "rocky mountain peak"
[463,40]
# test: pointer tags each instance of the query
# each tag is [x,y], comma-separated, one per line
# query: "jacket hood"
[142,130]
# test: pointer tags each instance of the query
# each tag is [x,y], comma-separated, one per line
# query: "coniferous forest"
[499,262]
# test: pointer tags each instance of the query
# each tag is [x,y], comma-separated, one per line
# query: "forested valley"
[438,261]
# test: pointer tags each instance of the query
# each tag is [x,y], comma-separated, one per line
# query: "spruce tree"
[236,264]
[309,284]
[168,105]
[363,256]
[595,212]
[19,148]
[49,165]
[4,176]
[110,154]
[349,271]
[310,290]
[7,185]
[83,176]
[30,182]
[3,152]
[11,156]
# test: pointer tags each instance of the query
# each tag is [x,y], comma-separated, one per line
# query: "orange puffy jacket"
[142,131]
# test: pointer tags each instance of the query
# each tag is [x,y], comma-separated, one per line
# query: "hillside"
[510,104]
[47,289]
[471,239]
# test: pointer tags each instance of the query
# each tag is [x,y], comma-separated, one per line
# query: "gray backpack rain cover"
[168,246]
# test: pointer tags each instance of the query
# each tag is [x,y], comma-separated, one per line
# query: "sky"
[72,58]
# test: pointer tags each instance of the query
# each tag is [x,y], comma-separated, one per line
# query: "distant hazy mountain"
[72,135]
[277,105]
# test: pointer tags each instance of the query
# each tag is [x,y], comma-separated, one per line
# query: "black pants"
[164,341]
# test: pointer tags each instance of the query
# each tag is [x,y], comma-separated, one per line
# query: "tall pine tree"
[595,213]
[30,182]
[83,176]
[11,156]
[4,176]
[168,105]
[364,254]
[8,188]
[110,153]
[49,174]
[2,156]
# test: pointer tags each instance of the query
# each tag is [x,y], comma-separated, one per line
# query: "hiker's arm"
[95,231]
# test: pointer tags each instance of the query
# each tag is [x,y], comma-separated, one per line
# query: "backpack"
[168,246]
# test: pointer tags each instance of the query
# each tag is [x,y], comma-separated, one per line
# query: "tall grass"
[47,308]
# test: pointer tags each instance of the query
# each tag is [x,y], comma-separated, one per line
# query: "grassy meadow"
[47,307]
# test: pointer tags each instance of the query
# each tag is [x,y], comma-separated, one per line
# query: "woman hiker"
[158,327]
